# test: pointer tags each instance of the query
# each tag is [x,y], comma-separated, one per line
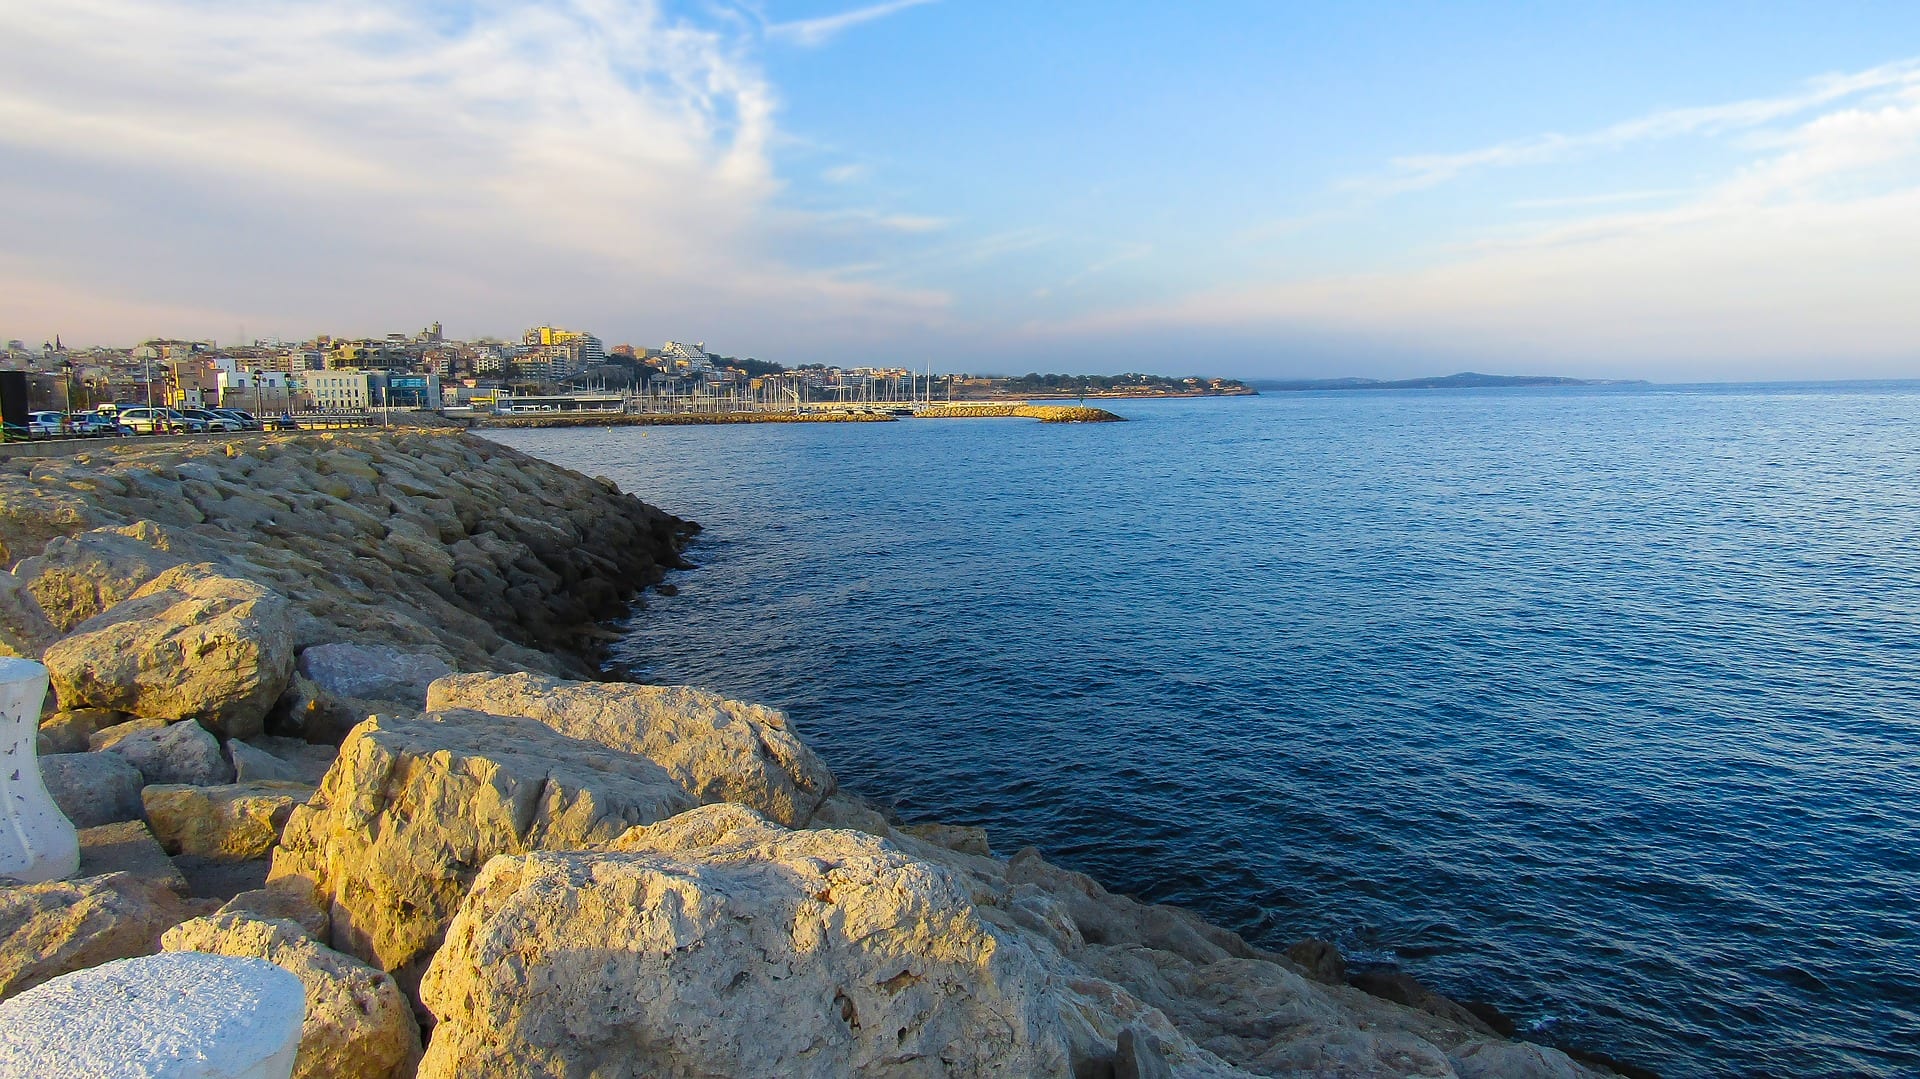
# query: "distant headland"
[1465,380]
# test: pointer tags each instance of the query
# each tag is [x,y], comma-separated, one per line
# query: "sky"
[1697,192]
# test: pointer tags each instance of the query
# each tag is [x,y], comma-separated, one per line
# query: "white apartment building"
[345,390]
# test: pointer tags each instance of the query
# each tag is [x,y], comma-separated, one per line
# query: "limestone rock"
[47,930]
[309,760]
[72,731]
[357,1022]
[213,882]
[372,672]
[252,765]
[129,847]
[719,750]
[310,713]
[839,954]
[93,788]
[78,577]
[189,644]
[235,822]
[293,900]
[24,628]
[106,737]
[176,753]
[414,807]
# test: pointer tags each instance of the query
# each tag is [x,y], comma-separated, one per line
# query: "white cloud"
[814,32]
[321,165]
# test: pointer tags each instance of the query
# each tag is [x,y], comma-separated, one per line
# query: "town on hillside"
[549,369]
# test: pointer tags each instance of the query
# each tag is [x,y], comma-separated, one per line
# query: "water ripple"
[1597,705]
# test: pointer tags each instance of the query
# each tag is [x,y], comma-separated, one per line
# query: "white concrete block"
[37,841]
[178,1015]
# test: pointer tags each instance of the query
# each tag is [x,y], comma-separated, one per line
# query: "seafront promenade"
[394,769]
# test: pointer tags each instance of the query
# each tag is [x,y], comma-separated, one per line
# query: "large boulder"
[720,750]
[720,944]
[357,1024]
[50,929]
[176,753]
[78,577]
[412,809]
[189,644]
[232,823]
[372,672]
[93,788]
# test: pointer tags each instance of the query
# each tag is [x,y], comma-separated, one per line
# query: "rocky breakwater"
[328,703]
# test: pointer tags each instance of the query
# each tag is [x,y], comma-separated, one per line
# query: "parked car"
[93,425]
[156,421]
[213,419]
[246,420]
[284,422]
[46,424]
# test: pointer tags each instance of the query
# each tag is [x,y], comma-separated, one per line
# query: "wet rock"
[1320,960]
[357,1022]
[93,788]
[175,753]
[717,749]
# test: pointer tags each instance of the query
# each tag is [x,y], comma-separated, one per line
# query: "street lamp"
[256,391]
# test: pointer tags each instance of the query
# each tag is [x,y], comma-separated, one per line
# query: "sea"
[1597,704]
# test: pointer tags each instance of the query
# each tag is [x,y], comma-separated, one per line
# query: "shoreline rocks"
[507,868]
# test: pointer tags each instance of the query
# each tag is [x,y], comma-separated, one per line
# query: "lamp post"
[256,390]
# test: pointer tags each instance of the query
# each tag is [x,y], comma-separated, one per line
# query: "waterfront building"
[342,390]
[551,352]
[680,358]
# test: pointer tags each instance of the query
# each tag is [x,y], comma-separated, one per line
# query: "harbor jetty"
[334,702]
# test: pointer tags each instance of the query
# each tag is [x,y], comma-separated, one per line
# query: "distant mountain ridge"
[1463,380]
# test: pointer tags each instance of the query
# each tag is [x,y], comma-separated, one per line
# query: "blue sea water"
[1601,705]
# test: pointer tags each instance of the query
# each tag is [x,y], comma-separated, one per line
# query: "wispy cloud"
[1419,171]
[1807,250]
[1609,198]
[814,32]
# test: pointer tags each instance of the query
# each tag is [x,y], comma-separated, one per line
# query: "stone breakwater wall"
[1043,413]
[677,419]
[323,702]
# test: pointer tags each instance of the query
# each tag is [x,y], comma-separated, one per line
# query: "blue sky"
[1626,190]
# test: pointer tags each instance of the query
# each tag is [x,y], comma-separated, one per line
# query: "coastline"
[489,561]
